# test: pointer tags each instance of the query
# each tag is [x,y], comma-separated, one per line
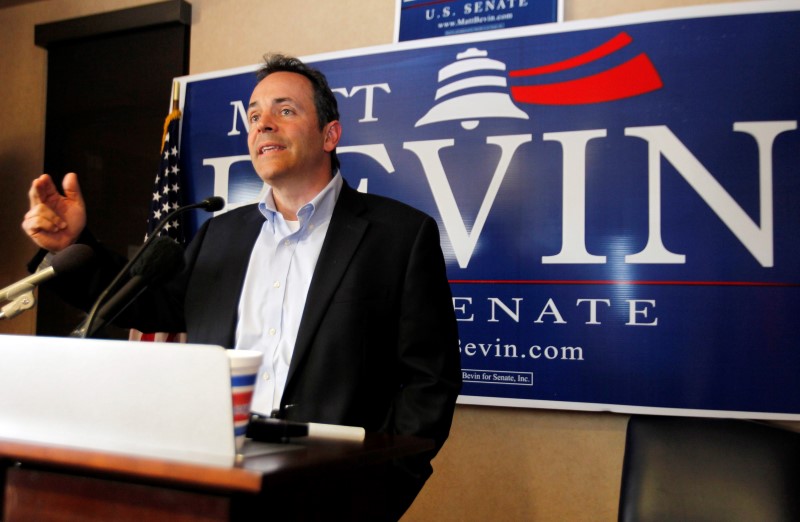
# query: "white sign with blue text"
[417,19]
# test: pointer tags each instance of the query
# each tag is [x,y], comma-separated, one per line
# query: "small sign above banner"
[417,19]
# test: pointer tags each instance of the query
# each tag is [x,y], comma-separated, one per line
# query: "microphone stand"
[20,302]
[209,204]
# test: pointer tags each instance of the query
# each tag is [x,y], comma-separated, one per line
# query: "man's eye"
[253,118]
[286,111]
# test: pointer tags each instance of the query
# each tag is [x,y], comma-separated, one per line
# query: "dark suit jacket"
[378,342]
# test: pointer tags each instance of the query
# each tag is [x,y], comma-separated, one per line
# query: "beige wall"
[499,464]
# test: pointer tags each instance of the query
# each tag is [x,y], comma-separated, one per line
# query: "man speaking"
[345,293]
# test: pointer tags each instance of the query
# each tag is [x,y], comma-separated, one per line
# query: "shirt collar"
[316,211]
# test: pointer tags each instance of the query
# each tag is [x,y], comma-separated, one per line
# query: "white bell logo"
[471,70]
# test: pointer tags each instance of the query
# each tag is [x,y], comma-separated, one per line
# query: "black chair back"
[701,469]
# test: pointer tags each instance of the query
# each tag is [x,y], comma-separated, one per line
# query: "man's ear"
[333,133]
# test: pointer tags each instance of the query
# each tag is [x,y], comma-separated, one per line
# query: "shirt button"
[272,331]
[265,376]
[276,284]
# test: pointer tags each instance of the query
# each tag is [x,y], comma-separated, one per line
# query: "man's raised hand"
[54,221]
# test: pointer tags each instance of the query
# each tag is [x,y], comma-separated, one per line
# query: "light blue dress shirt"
[275,288]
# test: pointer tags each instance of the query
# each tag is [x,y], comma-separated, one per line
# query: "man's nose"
[265,124]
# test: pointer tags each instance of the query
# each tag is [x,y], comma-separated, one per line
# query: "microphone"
[69,259]
[163,259]
[210,204]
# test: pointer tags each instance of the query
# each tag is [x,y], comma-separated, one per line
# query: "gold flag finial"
[176,95]
[175,114]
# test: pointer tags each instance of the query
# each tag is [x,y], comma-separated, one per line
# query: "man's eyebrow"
[284,99]
[254,105]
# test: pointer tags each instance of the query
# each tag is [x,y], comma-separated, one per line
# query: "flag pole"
[175,113]
[176,95]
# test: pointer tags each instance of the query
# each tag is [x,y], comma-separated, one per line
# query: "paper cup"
[244,370]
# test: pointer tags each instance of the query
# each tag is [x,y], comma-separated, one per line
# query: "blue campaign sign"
[618,199]
[417,19]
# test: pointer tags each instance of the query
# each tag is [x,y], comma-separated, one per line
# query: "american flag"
[167,187]
[166,198]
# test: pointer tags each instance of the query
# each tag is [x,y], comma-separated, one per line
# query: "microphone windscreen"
[163,258]
[71,258]
[213,204]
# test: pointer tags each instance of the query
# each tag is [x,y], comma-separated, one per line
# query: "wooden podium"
[301,480]
[95,430]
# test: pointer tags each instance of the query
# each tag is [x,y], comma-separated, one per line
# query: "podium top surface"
[263,464]
[144,469]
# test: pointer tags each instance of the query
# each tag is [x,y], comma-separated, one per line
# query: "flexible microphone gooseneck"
[211,204]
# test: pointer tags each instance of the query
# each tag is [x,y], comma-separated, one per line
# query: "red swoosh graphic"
[611,46]
[632,78]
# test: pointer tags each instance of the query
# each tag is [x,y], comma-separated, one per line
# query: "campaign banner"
[618,199]
[417,19]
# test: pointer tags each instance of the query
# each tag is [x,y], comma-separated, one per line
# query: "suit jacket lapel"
[217,324]
[345,232]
